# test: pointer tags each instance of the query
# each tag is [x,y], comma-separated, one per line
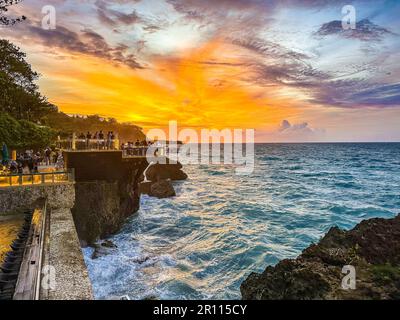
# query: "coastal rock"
[151,298]
[108,244]
[97,212]
[103,249]
[101,206]
[372,247]
[166,171]
[141,260]
[162,189]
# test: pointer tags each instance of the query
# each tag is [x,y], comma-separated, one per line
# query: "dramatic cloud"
[365,30]
[279,65]
[299,132]
[114,17]
[222,63]
[85,42]
[384,95]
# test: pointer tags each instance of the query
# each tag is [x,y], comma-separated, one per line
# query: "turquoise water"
[204,242]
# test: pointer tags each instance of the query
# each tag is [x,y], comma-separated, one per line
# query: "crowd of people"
[137,148]
[98,140]
[29,161]
[101,141]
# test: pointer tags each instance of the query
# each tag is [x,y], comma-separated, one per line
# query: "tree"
[24,134]
[28,116]
[19,94]
[14,68]
[4,20]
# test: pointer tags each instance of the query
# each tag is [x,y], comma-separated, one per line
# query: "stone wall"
[65,256]
[19,198]
[62,250]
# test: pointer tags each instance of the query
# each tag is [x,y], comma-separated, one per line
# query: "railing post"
[43,179]
[73,141]
[10,181]
[20,179]
[71,175]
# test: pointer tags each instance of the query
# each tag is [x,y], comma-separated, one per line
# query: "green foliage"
[65,125]
[24,134]
[9,130]
[19,94]
[27,109]
[34,136]
[385,273]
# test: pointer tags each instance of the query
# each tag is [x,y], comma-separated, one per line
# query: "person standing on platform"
[5,155]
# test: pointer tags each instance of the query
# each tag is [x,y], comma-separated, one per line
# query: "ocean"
[220,227]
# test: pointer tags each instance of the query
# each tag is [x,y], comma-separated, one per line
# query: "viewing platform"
[91,197]
[103,145]
[39,178]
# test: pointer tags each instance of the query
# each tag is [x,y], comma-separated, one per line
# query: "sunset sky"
[284,68]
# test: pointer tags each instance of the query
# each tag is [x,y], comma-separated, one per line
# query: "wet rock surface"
[103,249]
[171,171]
[102,206]
[372,247]
[162,189]
[108,244]
[159,176]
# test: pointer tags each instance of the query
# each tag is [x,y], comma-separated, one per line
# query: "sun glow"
[193,87]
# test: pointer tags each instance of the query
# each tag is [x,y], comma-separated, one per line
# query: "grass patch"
[385,273]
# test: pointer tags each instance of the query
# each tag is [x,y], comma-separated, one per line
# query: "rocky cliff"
[102,206]
[372,248]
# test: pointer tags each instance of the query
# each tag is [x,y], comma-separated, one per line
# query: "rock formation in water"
[162,189]
[102,206]
[372,248]
[171,171]
[159,177]
[103,249]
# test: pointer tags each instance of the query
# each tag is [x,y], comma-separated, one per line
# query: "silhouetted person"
[88,138]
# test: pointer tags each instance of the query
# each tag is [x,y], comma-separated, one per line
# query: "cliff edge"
[372,248]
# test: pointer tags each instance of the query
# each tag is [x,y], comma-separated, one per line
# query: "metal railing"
[88,144]
[135,151]
[39,178]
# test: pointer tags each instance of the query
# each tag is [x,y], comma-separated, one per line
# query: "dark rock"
[141,260]
[150,298]
[162,189]
[101,207]
[83,244]
[145,187]
[165,171]
[103,249]
[99,252]
[372,247]
[108,244]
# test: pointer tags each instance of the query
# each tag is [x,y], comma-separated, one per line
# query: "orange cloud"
[200,88]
